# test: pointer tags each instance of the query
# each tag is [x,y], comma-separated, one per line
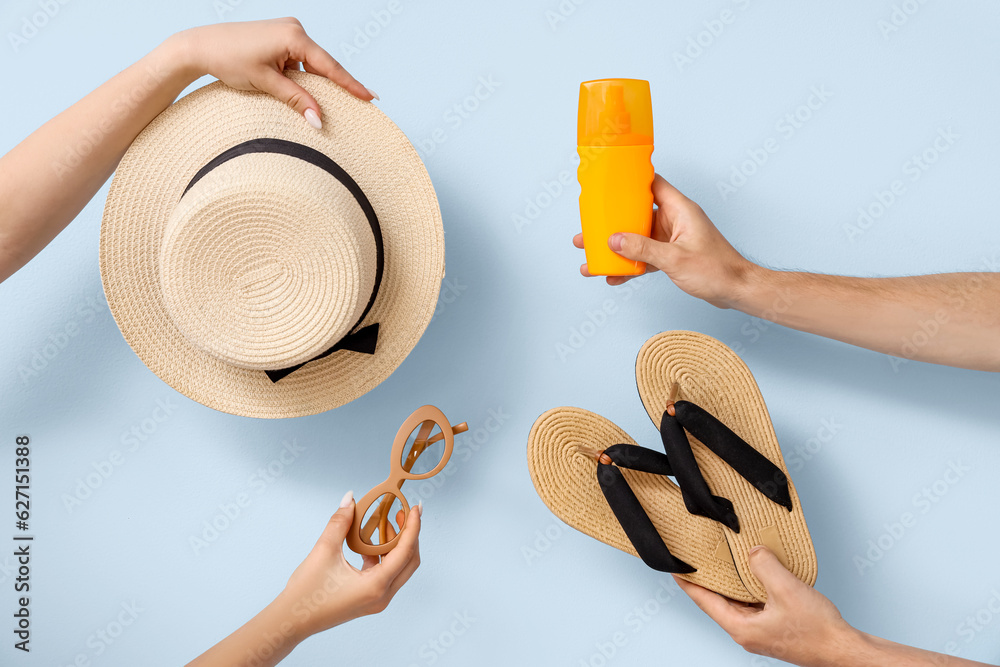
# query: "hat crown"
[266,262]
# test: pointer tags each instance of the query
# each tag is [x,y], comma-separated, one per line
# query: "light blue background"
[513,296]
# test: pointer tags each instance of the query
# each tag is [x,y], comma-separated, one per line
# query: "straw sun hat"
[264,268]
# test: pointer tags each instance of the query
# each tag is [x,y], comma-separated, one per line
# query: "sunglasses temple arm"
[381,516]
[420,445]
[377,520]
[383,524]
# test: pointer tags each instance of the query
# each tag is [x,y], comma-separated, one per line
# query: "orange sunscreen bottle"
[615,142]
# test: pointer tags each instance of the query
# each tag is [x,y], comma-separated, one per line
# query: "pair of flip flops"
[732,492]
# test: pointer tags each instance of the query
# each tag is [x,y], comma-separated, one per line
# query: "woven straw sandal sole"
[566,481]
[712,376]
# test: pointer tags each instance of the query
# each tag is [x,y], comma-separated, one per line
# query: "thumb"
[641,248]
[340,523]
[778,581]
[280,86]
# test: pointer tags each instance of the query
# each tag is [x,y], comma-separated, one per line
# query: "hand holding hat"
[253,56]
[78,159]
[265,268]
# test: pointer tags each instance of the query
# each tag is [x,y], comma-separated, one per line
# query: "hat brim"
[150,181]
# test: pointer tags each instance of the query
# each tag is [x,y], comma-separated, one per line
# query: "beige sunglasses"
[422,429]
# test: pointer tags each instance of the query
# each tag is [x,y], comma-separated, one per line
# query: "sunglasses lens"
[379,525]
[424,449]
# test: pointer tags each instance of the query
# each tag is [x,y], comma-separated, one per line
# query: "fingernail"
[313,119]
[347,499]
[373,93]
[755,550]
[615,242]
[420,509]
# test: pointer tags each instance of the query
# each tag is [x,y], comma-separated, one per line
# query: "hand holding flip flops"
[717,438]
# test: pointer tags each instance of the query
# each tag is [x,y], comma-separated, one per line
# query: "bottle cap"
[615,112]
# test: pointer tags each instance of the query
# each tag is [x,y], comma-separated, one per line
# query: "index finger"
[317,61]
[666,195]
[394,561]
[713,604]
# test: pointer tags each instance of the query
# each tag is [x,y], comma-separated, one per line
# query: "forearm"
[875,652]
[48,178]
[264,641]
[849,646]
[951,319]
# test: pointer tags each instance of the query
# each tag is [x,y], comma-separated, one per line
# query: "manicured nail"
[373,93]
[420,509]
[615,242]
[347,500]
[313,119]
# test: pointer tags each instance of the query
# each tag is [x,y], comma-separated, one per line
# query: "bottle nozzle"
[615,117]
[615,112]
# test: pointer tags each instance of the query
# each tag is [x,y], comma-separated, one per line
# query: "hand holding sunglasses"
[421,449]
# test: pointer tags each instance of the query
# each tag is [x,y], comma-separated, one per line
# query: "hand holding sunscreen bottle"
[615,143]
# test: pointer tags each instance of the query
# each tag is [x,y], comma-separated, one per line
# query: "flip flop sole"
[712,376]
[566,481]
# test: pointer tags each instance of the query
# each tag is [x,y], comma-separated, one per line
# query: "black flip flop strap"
[629,511]
[697,496]
[749,463]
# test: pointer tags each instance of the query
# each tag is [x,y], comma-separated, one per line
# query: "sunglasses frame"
[399,473]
